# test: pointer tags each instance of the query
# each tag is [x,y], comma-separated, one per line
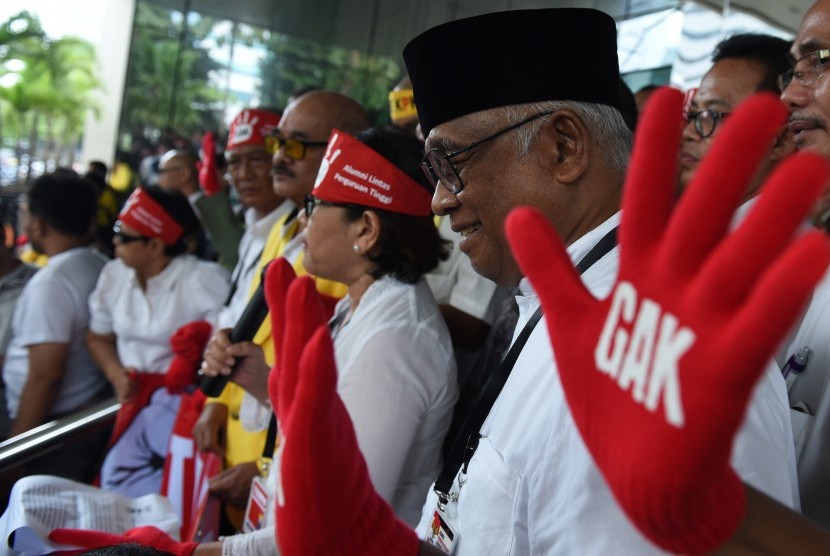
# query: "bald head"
[178,171]
[335,111]
[309,120]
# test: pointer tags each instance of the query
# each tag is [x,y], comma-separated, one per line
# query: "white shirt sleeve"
[100,304]
[258,543]
[387,389]
[49,314]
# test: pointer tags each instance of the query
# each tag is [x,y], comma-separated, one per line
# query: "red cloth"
[329,505]
[251,127]
[353,173]
[146,384]
[208,175]
[144,214]
[146,536]
[659,374]
[188,344]
[179,479]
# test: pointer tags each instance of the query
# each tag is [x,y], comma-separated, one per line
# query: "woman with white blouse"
[369,226]
[142,297]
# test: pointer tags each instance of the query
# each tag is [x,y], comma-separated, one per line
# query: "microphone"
[246,327]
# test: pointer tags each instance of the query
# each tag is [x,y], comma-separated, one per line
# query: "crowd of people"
[503,324]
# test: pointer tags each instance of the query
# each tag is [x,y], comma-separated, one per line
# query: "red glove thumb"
[304,313]
[330,506]
[208,177]
[188,343]
[147,536]
[278,277]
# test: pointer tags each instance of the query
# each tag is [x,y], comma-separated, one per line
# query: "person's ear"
[366,230]
[569,144]
[37,227]
[156,245]
[784,144]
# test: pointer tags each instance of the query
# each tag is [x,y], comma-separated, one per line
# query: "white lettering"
[385,199]
[180,449]
[357,173]
[374,180]
[622,306]
[349,183]
[645,361]
[665,382]
[638,356]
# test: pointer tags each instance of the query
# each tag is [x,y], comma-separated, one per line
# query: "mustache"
[281,169]
[802,117]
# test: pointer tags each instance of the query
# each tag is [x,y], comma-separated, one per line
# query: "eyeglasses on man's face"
[123,238]
[806,70]
[438,166]
[705,121]
[295,149]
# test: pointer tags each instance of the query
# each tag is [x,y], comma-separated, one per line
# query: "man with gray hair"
[500,134]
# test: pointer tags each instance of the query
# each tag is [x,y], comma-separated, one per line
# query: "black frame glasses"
[438,167]
[295,149]
[806,70]
[706,121]
[310,202]
[123,238]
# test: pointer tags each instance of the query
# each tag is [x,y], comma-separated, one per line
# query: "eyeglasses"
[438,166]
[806,70]
[705,121]
[123,238]
[310,203]
[295,149]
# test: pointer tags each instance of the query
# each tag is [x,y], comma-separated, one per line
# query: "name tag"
[442,532]
[257,503]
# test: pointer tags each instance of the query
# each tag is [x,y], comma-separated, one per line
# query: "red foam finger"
[769,227]
[303,314]
[721,181]
[278,277]
[648,194]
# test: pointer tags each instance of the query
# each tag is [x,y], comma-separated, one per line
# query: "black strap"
[460,454]
[271,438]
[238,273]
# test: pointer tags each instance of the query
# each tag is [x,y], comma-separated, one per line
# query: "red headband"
[146,216]
[353,173]
[251,127]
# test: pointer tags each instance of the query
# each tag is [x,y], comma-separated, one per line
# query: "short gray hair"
[604,122]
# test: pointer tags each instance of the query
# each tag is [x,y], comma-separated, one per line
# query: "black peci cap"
[513,57]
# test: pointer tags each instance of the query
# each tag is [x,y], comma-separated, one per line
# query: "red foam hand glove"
[278,277]
[208,175]
[188,343]
[146,536]
[658,375]
[329,504]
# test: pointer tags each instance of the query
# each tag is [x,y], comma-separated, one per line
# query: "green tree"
[48,88]
[168,78]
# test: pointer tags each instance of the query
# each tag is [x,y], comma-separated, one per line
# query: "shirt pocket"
[487,504]
[802,424]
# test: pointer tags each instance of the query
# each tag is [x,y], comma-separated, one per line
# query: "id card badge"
[257,503]
[443,533]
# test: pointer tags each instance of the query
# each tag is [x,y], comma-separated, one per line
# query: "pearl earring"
[356,248]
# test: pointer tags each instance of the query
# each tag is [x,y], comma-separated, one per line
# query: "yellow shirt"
[242,445]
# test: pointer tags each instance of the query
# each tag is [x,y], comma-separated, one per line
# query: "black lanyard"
[458,454]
